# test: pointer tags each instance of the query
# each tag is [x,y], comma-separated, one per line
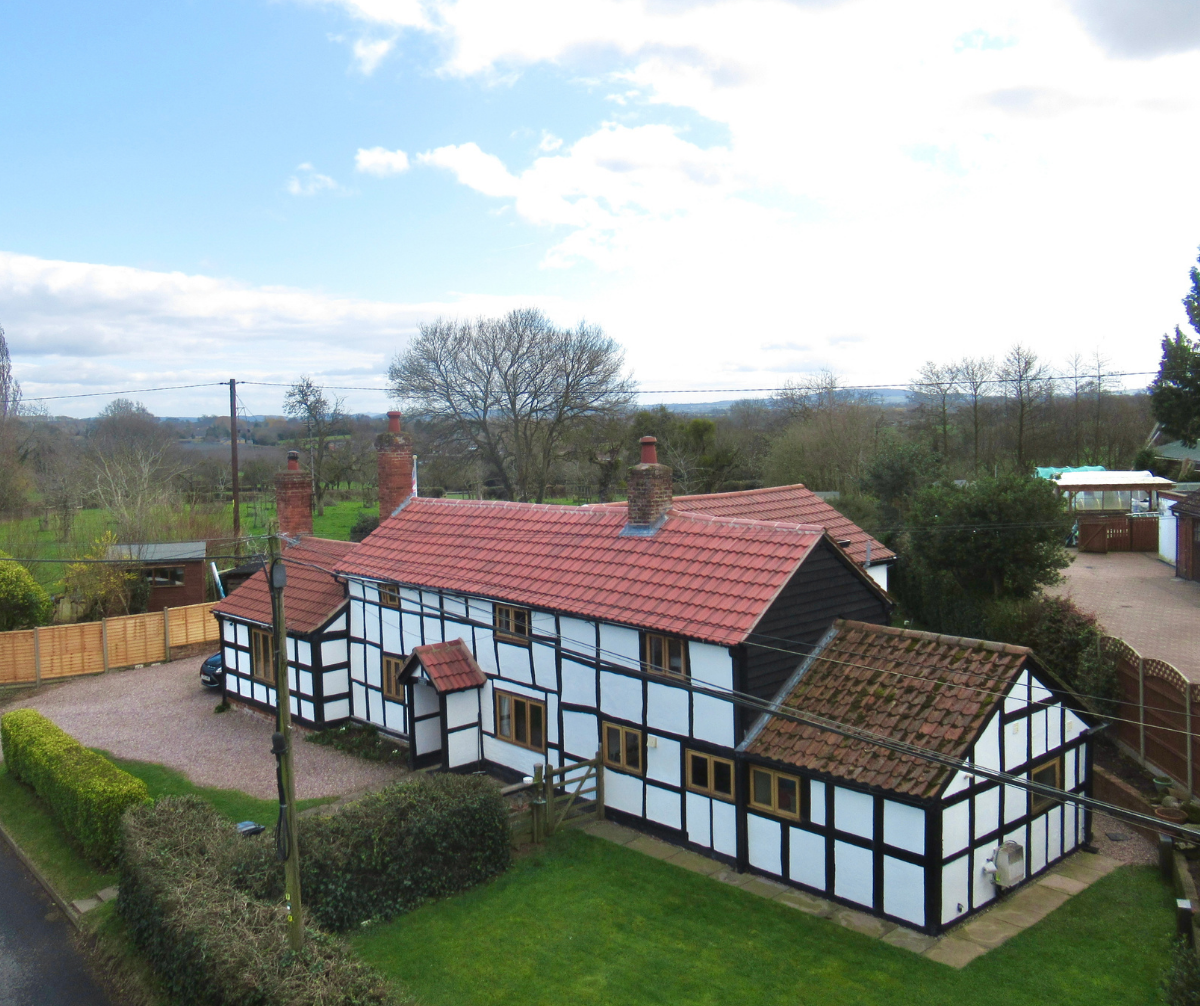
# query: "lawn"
[339,518]
[589,922]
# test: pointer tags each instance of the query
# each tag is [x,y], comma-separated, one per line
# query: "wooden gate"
[1093,536]
[1119,533]
[1143,532]
[559,797]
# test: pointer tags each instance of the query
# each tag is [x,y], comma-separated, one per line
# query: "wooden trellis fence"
[31,656]
[558,797]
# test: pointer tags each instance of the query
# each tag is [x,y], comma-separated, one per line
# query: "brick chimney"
[293,498]
[649,491]
[395,459]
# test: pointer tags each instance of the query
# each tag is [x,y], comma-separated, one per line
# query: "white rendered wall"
[879,573]
[1166,531]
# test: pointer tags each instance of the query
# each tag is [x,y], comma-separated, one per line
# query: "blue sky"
[739,191]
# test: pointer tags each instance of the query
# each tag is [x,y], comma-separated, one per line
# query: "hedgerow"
[86,792]
[210,941]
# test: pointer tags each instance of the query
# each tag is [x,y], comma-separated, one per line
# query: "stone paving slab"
[989,930]
[956,952]
[1060,882]
[806,902]
[612,832]
[910,939]
[83,905]
[861,922]
[1086,867]
[107,894]
[695,862]
[1029,905]
[652,847]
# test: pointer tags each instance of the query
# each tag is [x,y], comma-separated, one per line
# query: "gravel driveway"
[162,714]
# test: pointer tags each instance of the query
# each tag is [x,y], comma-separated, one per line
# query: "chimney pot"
[649,450]
[293,461]
[393,422]
[649,491]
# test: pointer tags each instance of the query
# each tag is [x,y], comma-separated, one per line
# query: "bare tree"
[513,388]
[975,376]
[10,387]
[1026,387]
[934,392]
[322,419]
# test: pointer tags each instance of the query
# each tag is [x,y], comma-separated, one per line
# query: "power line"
[132,391]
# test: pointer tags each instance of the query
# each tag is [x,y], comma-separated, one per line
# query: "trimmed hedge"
[211,943]
[425,838]
[87,793]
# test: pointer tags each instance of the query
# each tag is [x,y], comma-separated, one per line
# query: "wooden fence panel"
[69,650]
[16,657]
[136,639]
[193,624]
[1143,532]
[1118,534]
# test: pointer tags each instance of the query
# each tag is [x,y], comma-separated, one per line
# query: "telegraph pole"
[287,844]
[233,464]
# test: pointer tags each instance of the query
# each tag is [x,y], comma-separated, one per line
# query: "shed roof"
[708,578]
[160,551]
[935,692]
[794,504]
[312,594]
[1111,481]
[1189,506]
[450,665]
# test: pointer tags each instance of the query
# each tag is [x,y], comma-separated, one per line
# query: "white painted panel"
[619,645]
[879,573]
[454,606]
[291,678]
[485,651]
[294,705]
[514,662]
[1037,733]
[1070,827]
[306,710]
[356,620]
[334,651]
[1069,776]
[662,761]
[1016,737]
[374,667]
[509,755]
[375,707]
[621,696]
[955,878]
[1037,844]
[246,686]
[304,652]
[392,642]
[982,888]
[230,657]
[462,747]
[371,592]
[1018,695]
[335,682]
[806,857]
[904,890]
[393,716]
[243,661]
[371,624]
[480,610]
[667,708]
[724,827]
[987,748]
[243,635]
[228,632]
[462,707]
[306,683]
[854,812]
[1053,727]
[1054,833]
[817,802]
[712,720]
[987,812]
[425,699]
[545,670]
[580,734]
[1016,803]
[433,628]
[664,806]
[904,826]
[338,624]
[1074,726]
[578,683]
[542,623]
[358,701]
[623,792]
[711,665]
[853,873]
[764,839]
[428,736]
[410,628]
[578,636]
[699,828]
[358,662]
[956,824]
[291,650]
[260,693]
[339,709]
[1037,691]
[356,588]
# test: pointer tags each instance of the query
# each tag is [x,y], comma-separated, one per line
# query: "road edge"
[67,910]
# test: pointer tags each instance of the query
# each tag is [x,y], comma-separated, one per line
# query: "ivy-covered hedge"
[425,838]
[209,941]
[87,793]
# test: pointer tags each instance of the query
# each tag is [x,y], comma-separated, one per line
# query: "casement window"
[164,576]
[511,624]
[520,720]
[709,774]
[667,654]
[262,655]
[774,792]
[1048,773]
[389,595]
[623,748]
[391,678]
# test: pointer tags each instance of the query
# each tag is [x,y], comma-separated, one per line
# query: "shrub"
[366,523]
[385,854]
[1181,980]
[211,943]
[87,793]
[23,602]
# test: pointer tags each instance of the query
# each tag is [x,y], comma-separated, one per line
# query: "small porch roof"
[451,666]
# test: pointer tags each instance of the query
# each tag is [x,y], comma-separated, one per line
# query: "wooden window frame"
[389,595]
[514,614]
[648,639]
[773,807]
[392,666]
[528,703]
[260,640]
[710,789]
[1038,803]
[622,763]
[175,576]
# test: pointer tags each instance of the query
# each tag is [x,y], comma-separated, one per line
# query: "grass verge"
[587,922]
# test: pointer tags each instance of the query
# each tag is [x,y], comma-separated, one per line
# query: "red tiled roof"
[311,595]
[450,666]
[708,578]
[931,691]
[791,504]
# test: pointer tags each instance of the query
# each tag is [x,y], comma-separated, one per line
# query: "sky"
[740,192]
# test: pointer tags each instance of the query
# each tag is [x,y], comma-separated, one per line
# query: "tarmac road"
[39,965]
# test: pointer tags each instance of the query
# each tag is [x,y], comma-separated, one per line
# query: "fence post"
[104,642]
[548,782]
[1142,708]
[37,657]
[1190,745]
[537,805]
[599,786]
[166,635]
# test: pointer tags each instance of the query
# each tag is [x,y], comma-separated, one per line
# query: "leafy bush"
[1181,981]
[366,523]
[23,602]
[385,854]
[87,793]
[363,740]
[209,942]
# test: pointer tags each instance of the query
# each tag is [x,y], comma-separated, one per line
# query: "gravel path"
[162,714]
[1134,849]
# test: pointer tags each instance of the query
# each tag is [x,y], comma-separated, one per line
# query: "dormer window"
[665,654]
[511,624]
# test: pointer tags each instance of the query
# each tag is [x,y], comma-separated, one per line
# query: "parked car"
[212,672]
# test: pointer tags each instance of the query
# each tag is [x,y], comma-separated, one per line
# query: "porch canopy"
[1112,490]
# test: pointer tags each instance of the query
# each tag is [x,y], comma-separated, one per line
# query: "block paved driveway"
[1138,598]
[162,714]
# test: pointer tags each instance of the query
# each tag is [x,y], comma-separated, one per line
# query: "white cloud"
[380,161]
[482,172]
[369,53]
[549,142]
[309,182]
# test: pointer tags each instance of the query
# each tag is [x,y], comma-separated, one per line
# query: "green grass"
[339,518]
[588,922]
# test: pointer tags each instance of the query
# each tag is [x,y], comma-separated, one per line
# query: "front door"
[425,737]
